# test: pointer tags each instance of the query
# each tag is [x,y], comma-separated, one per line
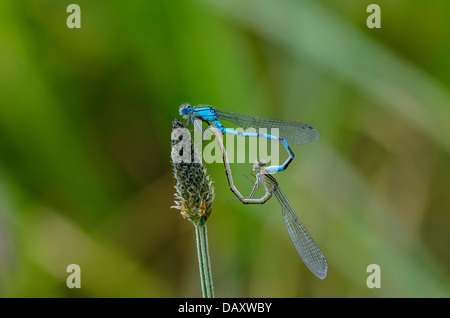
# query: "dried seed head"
[194,191]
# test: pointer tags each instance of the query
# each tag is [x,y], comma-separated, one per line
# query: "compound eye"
[185,109]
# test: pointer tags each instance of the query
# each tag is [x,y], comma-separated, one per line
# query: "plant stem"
[203,260]
[193,197]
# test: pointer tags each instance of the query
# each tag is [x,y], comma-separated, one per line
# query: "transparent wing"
[306,247]
[293,132]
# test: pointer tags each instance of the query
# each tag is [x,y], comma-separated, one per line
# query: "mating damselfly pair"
[289,133]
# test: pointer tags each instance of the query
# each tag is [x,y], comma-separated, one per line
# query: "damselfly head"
[185,110]
[258,165]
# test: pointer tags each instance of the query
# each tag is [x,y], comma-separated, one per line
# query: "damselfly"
[306,247]
[289,132]
[308,250]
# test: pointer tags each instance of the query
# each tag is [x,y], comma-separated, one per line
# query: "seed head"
[194,191]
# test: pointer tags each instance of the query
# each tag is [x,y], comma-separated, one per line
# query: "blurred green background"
[85,121]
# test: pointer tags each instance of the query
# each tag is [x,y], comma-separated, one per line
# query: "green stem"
[203,260]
